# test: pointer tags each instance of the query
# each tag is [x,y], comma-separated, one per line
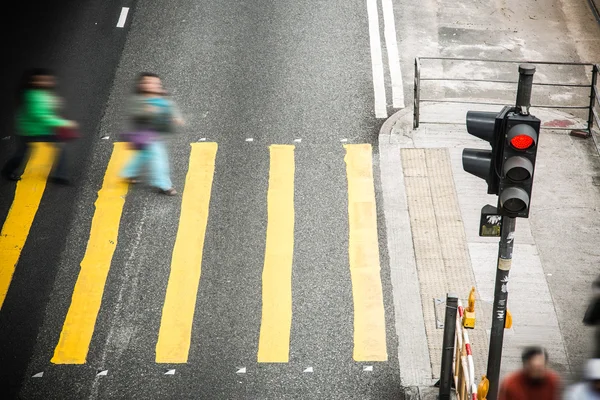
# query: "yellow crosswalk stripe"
[20,217]
[186,264]
[274,340]
[78,327]
[369,313]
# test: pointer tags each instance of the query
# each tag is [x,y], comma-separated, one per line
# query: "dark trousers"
[22,151]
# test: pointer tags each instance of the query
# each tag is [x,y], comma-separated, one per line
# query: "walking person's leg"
[132,168]
[60,168]
[159,167]
[9,170]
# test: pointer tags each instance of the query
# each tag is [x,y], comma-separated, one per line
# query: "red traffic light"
[522,137]
[521,142]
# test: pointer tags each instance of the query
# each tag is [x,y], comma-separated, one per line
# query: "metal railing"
[590,83]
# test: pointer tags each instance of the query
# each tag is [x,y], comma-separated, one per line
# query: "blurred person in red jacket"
[535,381]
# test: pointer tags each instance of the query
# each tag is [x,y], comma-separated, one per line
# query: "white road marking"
[368,368]
[343,140]
[123,17]
[309,369]
[250,139]
[241,370]
[392,50]
[376,60]
[297,140]
[102,373]
[38,375]
[170,372]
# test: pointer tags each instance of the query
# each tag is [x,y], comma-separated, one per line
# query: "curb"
[416,376]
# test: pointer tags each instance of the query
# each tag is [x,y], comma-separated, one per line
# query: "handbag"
[66,134]
[139,140]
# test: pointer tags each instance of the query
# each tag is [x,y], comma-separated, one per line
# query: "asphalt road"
[291,73]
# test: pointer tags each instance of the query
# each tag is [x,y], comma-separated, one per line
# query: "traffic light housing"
[485,163]
[519,149]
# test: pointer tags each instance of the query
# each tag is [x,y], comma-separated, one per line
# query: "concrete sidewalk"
[432,209]
[432,226]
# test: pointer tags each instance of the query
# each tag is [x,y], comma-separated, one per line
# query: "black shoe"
[59,181]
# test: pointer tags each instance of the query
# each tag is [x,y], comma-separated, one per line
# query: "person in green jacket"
[37,121]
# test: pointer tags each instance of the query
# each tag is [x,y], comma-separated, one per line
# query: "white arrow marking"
[344,140]
[105,137]
[250,139]
[170,372]
[241,370]
[368,368]
[102,373]
[309,369]
[38,375]
[202,139]
[297,140]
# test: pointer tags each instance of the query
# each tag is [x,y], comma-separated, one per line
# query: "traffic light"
[485,163]
[519,142]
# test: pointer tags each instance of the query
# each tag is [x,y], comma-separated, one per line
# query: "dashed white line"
[123,17]
[392,51]
[376,60]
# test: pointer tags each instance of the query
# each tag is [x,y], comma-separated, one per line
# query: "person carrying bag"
[152,116]
[38,120]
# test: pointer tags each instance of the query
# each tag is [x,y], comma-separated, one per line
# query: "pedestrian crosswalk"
[178,312]
[22,212]
[176,328]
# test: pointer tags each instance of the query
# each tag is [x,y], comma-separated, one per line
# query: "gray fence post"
[592,97]
[417,94]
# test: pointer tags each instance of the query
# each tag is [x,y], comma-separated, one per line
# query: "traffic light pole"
[505,251]
[500,300]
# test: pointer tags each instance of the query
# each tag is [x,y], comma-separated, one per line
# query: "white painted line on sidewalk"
[376,60]
[392,51]
[123,17]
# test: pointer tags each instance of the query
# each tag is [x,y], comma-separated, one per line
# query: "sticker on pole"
[504,264]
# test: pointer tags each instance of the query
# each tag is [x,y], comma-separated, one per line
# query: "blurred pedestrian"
[589,389]
[153,118]
[535,381]
[38,120]
[592,314]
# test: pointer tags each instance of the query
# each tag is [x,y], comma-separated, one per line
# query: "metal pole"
[505,250]
[447,372]
[417,93]
[500,300]
[592,97]
[526,72]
